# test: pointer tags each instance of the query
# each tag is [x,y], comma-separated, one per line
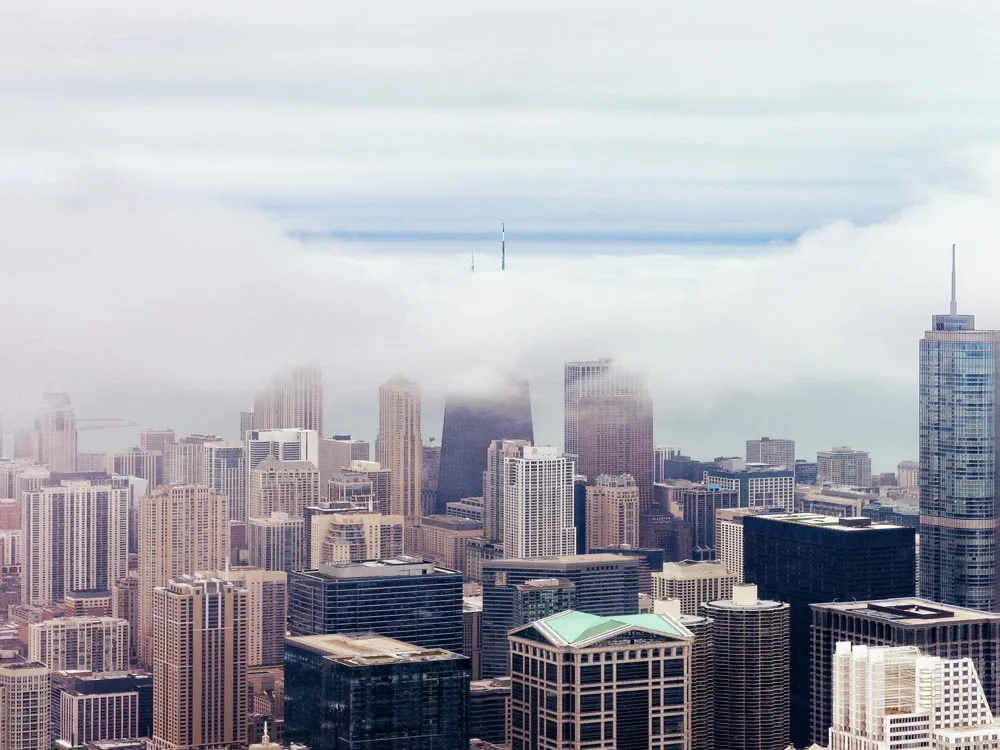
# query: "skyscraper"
[595,378]
[471,424]
[771,451]
[199,664]
[277,542]
[538,503]
[493,484]
[400,446]
[183,529]
[281,444]
[336,454]
[293,399]
[613,512]
[267,611]
[75,537]
[616,437]
[698,505]
[223,468]
[25,704]
[56,428]
[283,487]
[958,461]
[144,463]
[155,439]
[97,644]
[844,465]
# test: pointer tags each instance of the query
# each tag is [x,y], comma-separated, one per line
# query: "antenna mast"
[473,261]
[954,302]
[503,247]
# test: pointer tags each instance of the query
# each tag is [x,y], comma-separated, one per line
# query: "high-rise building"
[246,423]
[199,664]
[844,466]
[56,429]
[538,598]
[376,494]
[156,439]
[223,468]
[430,469]
[702,680]
[293,399]
[354,537]
[908,474]
[277,542]
[693,583]
[471,424]
[698,505]
[183,529]
[729,538]
[267,611]
[489,705]
[25,704]
[538,503]
[613,512]
[443,540]
[403,598]
[938,629]
[493,485]
[281,444]
[959,514]
[759,486]
[898,697]
[616,437]
[282,487]
[776,452]
[400,446]
[335,455]
[595,378]
[75,536]
[125,606]
[184,458]
[143,463]
[751,647]
[802,559]
[472,633]
[604,585]
[98,644]
[89,707]
[360,691]
[663,453]
[578,679]
[87,461]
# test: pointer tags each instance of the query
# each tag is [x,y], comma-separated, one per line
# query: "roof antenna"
[954,302]
[473,261]
[503,247]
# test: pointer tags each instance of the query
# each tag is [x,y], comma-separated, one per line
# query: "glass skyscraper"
[958,457]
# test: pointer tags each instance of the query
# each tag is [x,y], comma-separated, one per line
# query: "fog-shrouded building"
[616,437]
[582,680]
[844,465]
[612,512]
[777,452]
[936,629]
[471,424]
[293,399]
[55,427]
[493,485]
[363,690]
[594,378]
[538,503]
[400,446]
[184,460]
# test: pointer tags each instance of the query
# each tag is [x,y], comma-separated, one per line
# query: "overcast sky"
[753,201]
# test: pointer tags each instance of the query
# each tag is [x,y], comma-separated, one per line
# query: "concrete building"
[88,707]
[266,611]
[662,453]
[613,512]
[157,439]
[908,474]
[538,504]
[937,629]
[336,454]
[429,471]
[75,535]
[364,483]
[693,583]
[489,707]
[199,664]
[776,452]
[223,468]
[136,462]
[283,487]
[293,399]
[288,444]
[898,697]
[183,462]
[97,644]
[443,540]
[698,506]
[615,696]
[844,466]
[595,378]
[354,537]
[729,538]
[759,486]
[197,515]
[831,501]
[403,598]
[55,426]
[400,446]
[25,704]
[616,437]
[470,508]
[751,647]
[358,691]
[472,633]
[493,485]
[277,542]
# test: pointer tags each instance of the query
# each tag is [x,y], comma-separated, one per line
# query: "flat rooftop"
[691,569]
[911,610]
[560,560]
[369,649]
[403,565]
[849,523]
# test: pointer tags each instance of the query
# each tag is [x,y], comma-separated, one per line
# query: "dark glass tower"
[470,424]
[958,461]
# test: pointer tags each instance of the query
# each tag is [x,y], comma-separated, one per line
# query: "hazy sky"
[754,201]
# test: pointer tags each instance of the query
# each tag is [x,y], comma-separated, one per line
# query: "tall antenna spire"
[473,261]
[954,301]
[503,247]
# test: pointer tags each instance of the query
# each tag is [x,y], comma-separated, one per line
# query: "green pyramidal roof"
[573,628]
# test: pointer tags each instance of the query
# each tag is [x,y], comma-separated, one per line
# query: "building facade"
[595,378]
[25,704]
[844,466]
[55,427]
[613,512]
[693,583]
[283,487]
[698,505]
[293,399]
[97,644]
[89,707]
[223,468]
[759,486]
[277,543]
[400,446]
[616,437]
[776,452]
[538,503]
[493,485]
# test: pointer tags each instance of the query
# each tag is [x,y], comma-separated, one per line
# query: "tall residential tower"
[400,447]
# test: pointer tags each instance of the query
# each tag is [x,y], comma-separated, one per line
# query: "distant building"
[443,540]
[472,633]
[400,447]
[844,466]
[353,537]
[470,508]
[776,452]
[184,460]
[267,611]
[494,481]
[88,707]
[429,472]
[55,426]
[595,378]
[908,474]
[613,512]
[616,437]
[693,583]
[223,468]
[663,453]
[157,439]
[293,399]
[25,708]
[806,472]
[283,487]
[538,504]
[97,644]
[759,486]
[698,505]
[729,538]
[286,444]
[363,483]
[336,454]
[277,542]
[685,467]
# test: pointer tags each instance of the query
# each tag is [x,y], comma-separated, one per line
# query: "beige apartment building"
[354,537]
[693,583]
[25,701]
[283,487]
[267,611]
[444,540]
[97,644]
[613,512]
[400,446]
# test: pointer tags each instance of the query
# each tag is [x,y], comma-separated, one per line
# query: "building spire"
[954,301]
[503,246]
[473,261]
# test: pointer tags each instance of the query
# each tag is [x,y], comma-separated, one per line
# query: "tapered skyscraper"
[958,461]
[400,447]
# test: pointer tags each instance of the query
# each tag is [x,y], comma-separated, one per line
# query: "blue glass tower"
[958,458]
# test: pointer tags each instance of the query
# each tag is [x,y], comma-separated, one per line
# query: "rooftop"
[854,523]
[403,565]
[909,610]
[368,649]
[572,628]
[690,569]
[560,560]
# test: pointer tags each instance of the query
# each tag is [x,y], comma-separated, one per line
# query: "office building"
[157,439]
[55,426]
[831,501]
[759,486]
[898,697]
[663,453]
[698,505]
[908,474]
[223,468]
[429,471]
[776,452]
[751,647]
[729,538]
[613,512]
[267,611]
[471,424]
[403,597]
[578,679]
[595,378]
[183,529]
[283,487]
[352,692]
[538,504]
[685,467]
[650,559]
[11,551]
[616,437]
[660,530]
[443,540]
[693,583]
[288,444]
[937,629]
[336,454]
[25,704]
[803,559]
[293,399]
[844,466]
[276,542]
[538,598]
[470,508]
[806,472]
[88,707]
[97,644]
[472,633]
[489,705]
[479,551]
[604,585]
[75,535]
[493,485]
[199,664]
[183,461]
[400,446]
[354,537]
